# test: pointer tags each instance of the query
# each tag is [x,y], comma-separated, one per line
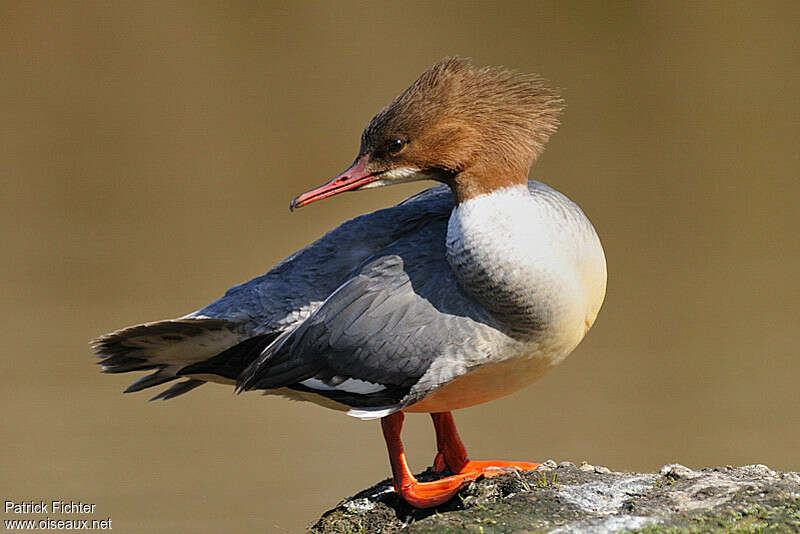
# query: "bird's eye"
[394,146]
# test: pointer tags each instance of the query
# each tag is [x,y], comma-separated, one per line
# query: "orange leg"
[450,450]
[417,494]
[451,454]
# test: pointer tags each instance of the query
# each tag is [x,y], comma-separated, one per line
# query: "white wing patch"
[366,414]
[351,385]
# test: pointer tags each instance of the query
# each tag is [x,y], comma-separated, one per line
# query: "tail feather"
[159,377]
[142,343]
[167,346]
[123,364]
[178,389]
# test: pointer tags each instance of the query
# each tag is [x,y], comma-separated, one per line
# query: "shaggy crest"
[510,116]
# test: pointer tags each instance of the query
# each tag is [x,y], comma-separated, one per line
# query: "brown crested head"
[474,128]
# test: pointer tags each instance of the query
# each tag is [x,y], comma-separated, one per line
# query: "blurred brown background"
[148,152]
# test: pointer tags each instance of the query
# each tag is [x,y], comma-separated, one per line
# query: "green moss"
[777,517]
[340,521]
[537,511]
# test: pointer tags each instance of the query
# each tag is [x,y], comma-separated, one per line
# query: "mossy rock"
[563,499]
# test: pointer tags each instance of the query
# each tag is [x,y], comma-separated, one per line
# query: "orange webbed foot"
[492,468]
[430,494]
[488,468]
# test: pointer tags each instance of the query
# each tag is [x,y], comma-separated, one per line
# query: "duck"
[461,294]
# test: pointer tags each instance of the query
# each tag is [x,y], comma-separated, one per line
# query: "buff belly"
[486,383]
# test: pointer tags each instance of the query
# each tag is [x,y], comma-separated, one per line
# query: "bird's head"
[475,129]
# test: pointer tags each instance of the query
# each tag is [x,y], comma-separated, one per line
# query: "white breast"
[533,260]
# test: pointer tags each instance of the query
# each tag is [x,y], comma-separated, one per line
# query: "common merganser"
[461,294]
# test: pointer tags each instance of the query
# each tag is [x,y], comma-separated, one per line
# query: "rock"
[677,471]
[564,499]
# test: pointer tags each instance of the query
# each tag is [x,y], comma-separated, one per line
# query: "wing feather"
[385,325]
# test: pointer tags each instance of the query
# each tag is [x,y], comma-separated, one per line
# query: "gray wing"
[386,326]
